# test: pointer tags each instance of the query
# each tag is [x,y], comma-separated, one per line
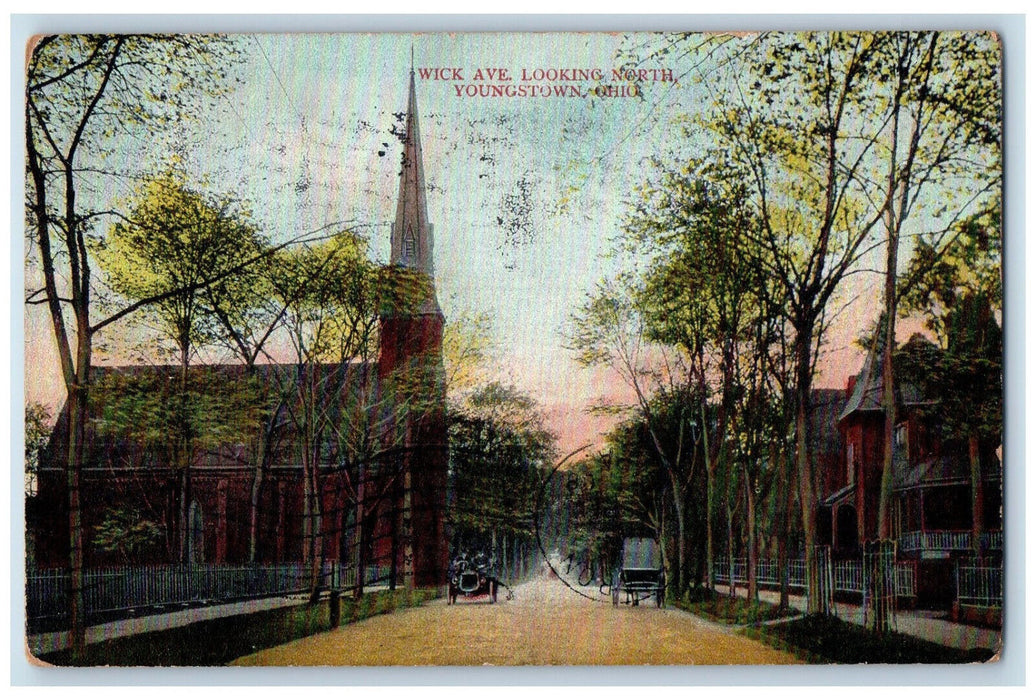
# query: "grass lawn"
[722,608]
[820,639]
[216,642]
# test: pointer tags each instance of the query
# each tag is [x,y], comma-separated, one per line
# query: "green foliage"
[498,448]
[148,409]
[37,435]
[467,349]
[155,80]
[126,532]
[964,380]
[958,288]
[333,297]
[175,242]
[90,97]
[970,263]
[691,223]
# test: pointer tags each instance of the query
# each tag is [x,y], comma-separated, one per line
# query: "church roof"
[118,433]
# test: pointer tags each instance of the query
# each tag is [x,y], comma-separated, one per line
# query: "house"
[931,506]
[229,497]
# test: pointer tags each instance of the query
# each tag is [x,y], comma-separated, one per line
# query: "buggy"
[642,575]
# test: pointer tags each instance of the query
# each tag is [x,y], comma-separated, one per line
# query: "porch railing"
[948,540]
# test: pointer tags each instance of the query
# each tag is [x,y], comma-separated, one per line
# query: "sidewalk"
[46,642]
[923,624]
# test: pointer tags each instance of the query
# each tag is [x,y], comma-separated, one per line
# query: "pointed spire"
[412,240]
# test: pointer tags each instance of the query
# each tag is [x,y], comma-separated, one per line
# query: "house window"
[850,460]
[900,439]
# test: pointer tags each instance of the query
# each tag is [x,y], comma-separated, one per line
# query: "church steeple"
[410,368]
[412,238]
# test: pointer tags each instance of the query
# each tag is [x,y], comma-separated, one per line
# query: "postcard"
[518,349]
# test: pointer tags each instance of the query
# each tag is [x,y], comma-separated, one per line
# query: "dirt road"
[545,624]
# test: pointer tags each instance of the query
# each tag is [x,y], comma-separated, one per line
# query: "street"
[545,624]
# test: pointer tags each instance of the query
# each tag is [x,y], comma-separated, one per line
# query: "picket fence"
[121,589]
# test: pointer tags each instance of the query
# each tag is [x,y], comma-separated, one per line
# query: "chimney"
[850,384]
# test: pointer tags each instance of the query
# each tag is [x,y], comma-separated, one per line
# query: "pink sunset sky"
[319,110]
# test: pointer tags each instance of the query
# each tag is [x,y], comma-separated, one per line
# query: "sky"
[526,193]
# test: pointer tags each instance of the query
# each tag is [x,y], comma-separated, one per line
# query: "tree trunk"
[732,569]
[978,499]
[753,545]
[261,463]
[183,460]
[782,543]
[77,407]
[314,549]
[679,508]
[888,399]
[358,550]
[710,478]
[253,511]
[804,464]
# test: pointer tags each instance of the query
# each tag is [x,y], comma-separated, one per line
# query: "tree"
[138,415]
[838,135]
[943,156]
[610,330]
[792,137]
[342,417]
[173,242]
[81,91]
[467,353]
[705,293]
[330,303]
[498,449]
[246,314]
[37,434]
[960,292]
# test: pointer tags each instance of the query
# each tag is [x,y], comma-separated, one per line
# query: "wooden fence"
[121,589]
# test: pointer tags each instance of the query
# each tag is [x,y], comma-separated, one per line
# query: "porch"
[925,544]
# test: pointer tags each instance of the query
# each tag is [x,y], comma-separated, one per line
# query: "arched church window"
[195,534]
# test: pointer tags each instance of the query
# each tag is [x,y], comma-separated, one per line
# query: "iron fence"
[980,586]
[847,575]
[120,589]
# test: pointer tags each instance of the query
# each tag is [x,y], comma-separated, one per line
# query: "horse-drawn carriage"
[642,575]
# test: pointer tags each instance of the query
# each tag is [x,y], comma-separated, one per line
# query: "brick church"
[244,507]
